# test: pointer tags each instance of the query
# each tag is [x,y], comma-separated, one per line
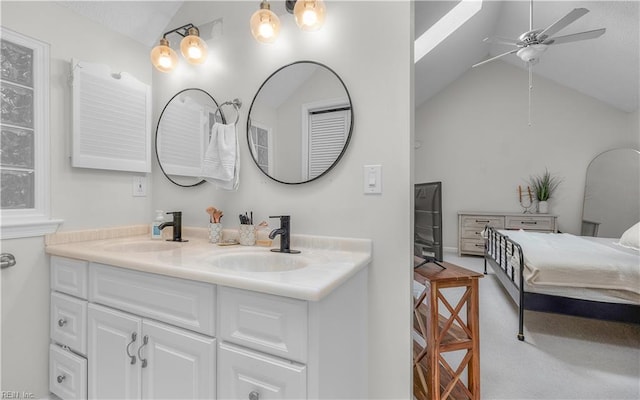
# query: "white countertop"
[331,260]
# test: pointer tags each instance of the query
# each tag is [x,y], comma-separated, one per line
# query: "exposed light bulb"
[193,48]
[265,25]
[163,57]
[309,14]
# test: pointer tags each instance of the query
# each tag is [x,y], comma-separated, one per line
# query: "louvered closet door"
[327,134]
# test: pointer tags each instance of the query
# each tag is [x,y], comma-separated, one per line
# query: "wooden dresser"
[471,224]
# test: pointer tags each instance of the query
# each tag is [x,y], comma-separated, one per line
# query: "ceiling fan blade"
[494,58]
[562,23]
[576,36]
[501,40]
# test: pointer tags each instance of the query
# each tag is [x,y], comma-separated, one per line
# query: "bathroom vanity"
[136,318]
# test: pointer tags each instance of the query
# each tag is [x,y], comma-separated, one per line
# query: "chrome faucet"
[177,226]
[284,232]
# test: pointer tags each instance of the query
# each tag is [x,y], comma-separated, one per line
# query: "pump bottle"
[156,233]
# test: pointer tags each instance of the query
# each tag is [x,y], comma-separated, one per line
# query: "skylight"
[445,26]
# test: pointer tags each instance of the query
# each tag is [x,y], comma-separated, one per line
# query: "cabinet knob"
[61,378]
[62,322]
[254,395]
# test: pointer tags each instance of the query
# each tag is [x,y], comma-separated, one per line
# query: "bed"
[566,274]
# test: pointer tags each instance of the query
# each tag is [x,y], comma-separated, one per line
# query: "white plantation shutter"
[328,132]
[111,119]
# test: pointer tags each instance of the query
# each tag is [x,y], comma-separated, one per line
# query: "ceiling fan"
[531,44]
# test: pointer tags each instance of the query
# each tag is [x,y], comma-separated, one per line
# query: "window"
[24,137]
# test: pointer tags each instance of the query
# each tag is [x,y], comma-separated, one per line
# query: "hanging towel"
[221,163]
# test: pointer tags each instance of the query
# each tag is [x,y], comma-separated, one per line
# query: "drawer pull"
[61,378]
[134,336]
[254,395]
[485,221]
[529,222]
[479,245]
[145,341]
[62,322]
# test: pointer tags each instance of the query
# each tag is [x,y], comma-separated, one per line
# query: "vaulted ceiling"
[606,68]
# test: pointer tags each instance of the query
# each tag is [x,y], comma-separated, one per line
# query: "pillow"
[631,237]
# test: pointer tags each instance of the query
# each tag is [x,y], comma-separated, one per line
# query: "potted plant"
[543,187]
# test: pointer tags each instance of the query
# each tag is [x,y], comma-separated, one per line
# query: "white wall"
[375,66]
[475,139]
[83,198]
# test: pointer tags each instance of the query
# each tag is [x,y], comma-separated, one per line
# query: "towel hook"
[236,103]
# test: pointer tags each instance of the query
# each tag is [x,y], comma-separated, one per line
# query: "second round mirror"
[300,122]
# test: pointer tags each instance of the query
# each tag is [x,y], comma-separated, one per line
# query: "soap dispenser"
[156,232]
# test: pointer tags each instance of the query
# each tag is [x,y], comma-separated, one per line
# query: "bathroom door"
[24,328]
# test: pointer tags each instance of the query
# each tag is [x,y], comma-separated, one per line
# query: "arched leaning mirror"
[300,122]
[612,193]
[182,135]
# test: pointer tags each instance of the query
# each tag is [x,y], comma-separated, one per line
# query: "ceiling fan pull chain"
[530,89]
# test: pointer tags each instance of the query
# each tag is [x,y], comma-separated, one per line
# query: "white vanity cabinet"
[132,358]
[127,334]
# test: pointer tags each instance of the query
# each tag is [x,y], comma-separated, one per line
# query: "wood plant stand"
[446,327]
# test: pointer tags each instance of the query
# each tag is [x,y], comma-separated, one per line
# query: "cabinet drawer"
[69,276]
[67,374]
[273,324]
[242,371]
[69,322]
[530,223]
[470,246]
[480,221]
[179,302]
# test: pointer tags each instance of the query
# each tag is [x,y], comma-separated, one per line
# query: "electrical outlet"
[139,186]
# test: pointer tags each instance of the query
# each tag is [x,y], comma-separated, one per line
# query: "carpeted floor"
[562,357]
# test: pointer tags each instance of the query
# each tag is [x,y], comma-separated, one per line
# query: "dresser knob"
[254,395]
[62,322]
[61,378]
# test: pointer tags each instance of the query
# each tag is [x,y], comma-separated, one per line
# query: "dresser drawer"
[471,246]
[480,221]
[67,374]
[272,324]
[69,322]
[472,233]
[179,302]
[242,371]
[530,222]
[69,276]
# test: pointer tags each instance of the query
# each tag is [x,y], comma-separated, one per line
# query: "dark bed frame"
[498,248]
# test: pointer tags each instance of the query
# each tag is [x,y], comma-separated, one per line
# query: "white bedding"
[573,263]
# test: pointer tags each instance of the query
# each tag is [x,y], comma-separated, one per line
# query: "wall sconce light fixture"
[265,24]
[192,47]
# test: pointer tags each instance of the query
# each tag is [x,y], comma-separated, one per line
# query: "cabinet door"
[113,334]
[179,364]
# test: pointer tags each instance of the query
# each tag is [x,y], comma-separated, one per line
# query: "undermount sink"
[259,262]
[142,246]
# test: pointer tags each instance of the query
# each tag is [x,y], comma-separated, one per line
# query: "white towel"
[221,163]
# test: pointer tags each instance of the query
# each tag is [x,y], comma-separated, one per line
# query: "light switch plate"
[139,186]
[372,179]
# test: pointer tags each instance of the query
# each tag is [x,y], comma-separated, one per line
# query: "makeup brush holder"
[247,235]
[215,233]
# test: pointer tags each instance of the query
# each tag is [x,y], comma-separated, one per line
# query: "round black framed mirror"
[182,135]
[300,122]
